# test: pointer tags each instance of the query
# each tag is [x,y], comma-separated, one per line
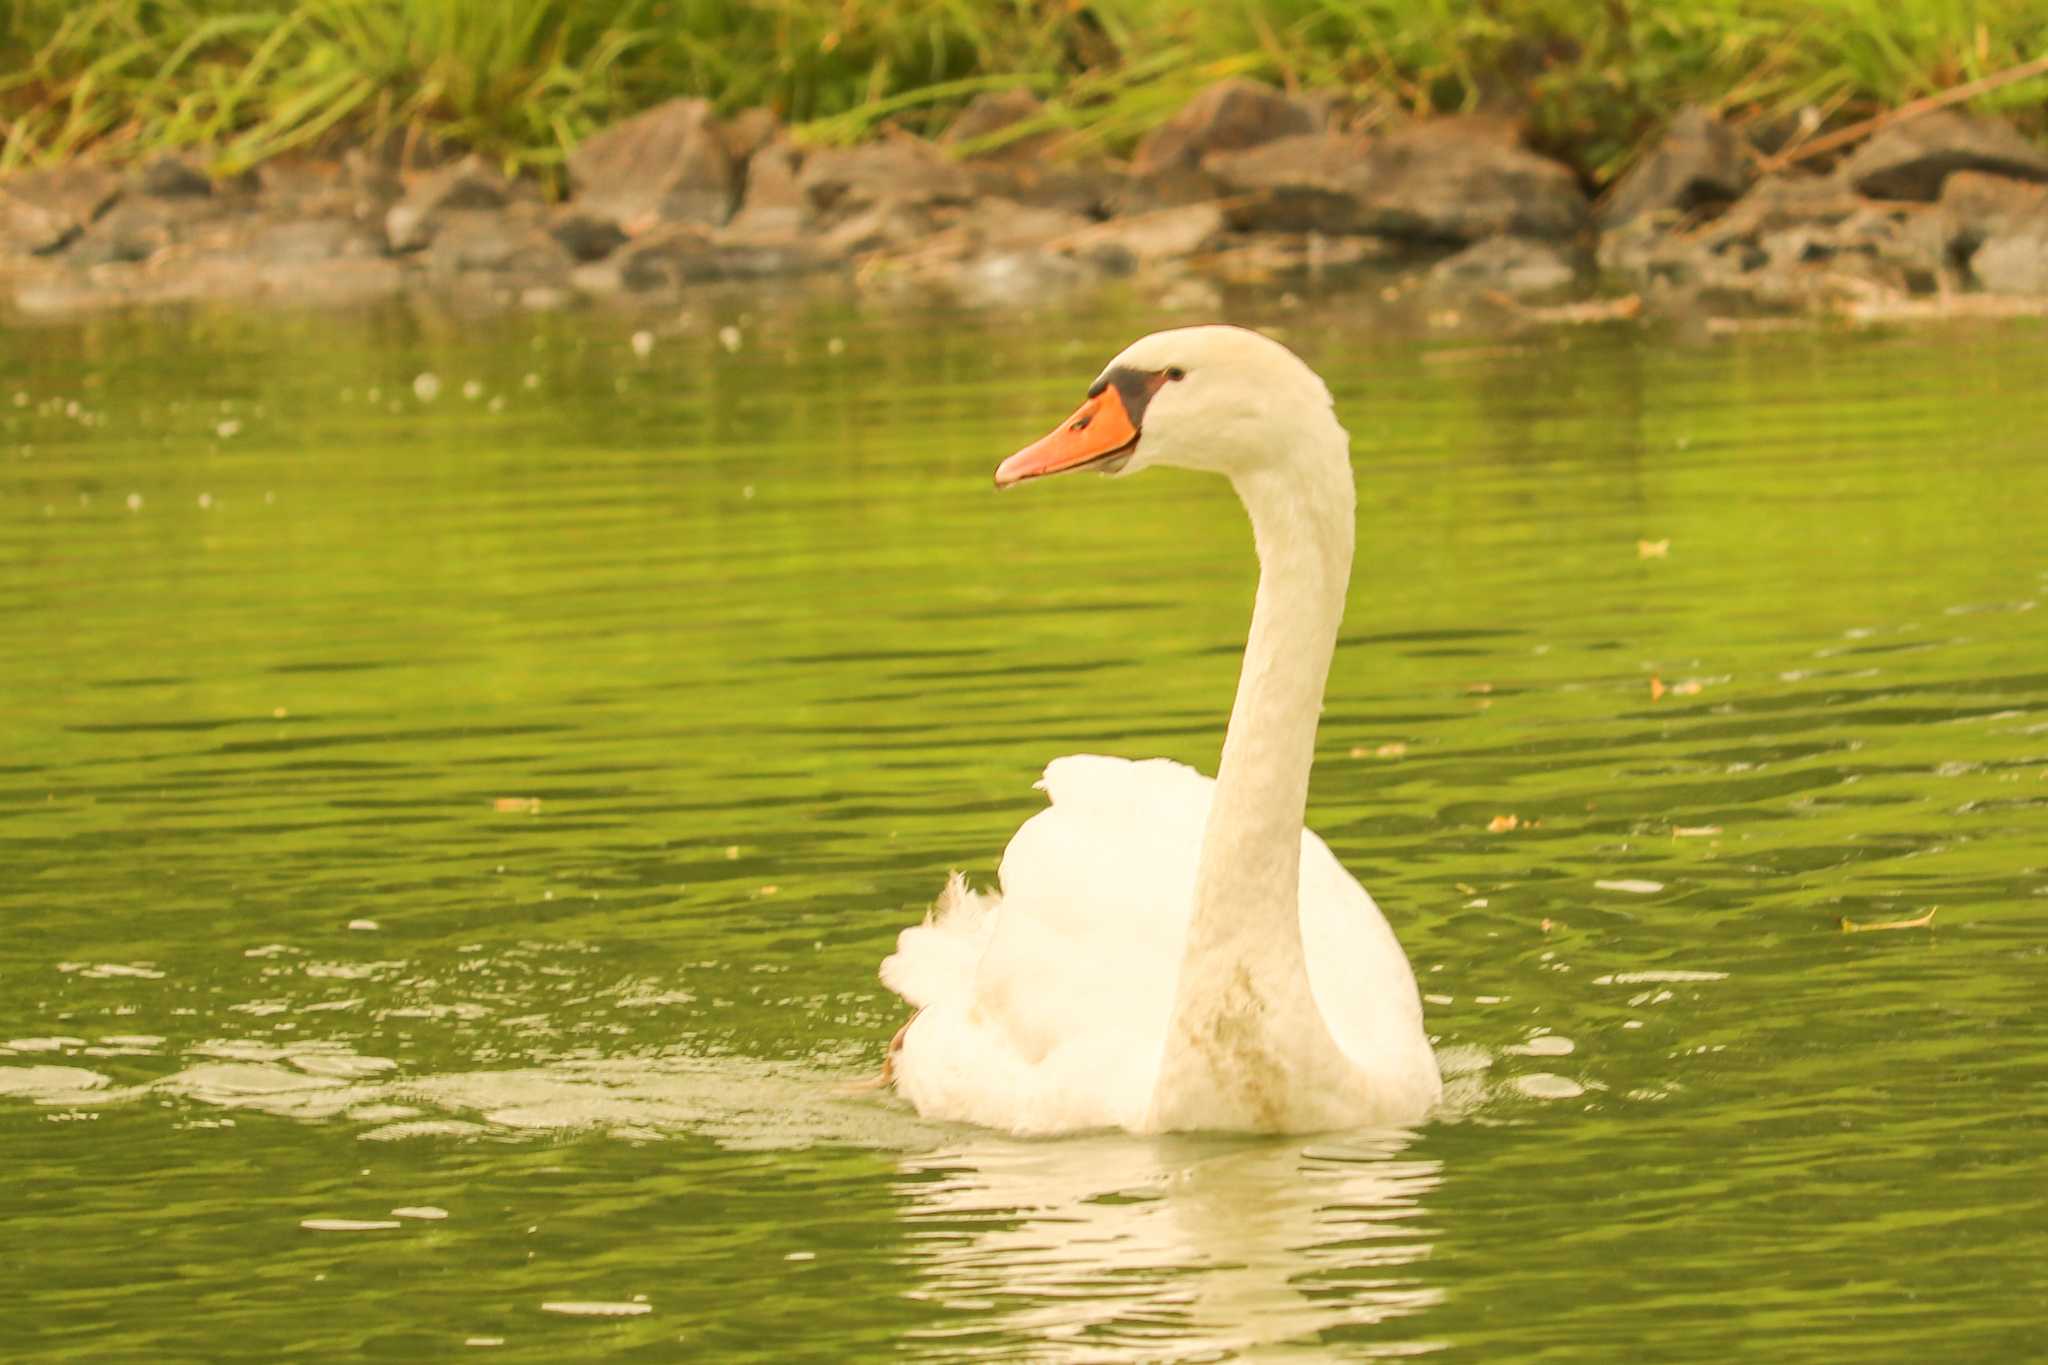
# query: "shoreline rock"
[1246,185]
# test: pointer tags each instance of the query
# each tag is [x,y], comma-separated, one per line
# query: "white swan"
[1170,953]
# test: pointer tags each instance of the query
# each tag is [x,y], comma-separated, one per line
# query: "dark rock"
[774,201]
[1226,116]
[2014,261]
[1700,165]
[44,211]
[991,112]
[1510,265]
[585,235]
[843,181]
[467,185]
[172,177]
[1910,160]
[670,164]
[671,257]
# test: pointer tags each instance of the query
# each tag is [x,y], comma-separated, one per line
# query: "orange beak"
[1100,429]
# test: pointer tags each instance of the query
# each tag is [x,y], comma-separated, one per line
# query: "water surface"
[473,767]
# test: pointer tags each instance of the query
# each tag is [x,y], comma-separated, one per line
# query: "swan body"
[1167,952]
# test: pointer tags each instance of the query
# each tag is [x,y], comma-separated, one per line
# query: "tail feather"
[937,958]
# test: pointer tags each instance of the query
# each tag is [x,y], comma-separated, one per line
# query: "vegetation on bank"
[524,80]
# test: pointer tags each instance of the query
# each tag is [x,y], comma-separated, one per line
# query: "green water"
[498,803]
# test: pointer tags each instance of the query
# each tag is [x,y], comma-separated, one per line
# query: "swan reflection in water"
[1115,1247]
[1093,1247]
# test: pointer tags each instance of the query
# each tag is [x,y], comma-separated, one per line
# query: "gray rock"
[1448,181]
[1453,181]
[1780,201]
[308,241]
[1910,160]
[1123,244]
[1700,164]
[1168,187]
[1790,239]
[747,132]
[1089,189]
[44,211]
[289,187]
[892,225]
[373,182]
[1312,182]
[842,181]
[671,257]
[2014,262]
[137,229]
[774,201]
[487,242]
[1004,225]
[670,164]
[1230,115]
[467,185]
[1976,206]
[1511,265]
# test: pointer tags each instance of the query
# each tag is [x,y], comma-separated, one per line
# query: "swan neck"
[1246,1045]
[1251,853]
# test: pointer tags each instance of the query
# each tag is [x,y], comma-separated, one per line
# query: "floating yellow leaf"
[516,805]
[1501,824]
[1850,926]
[1392,749]
[1658,687]
[1694,831]
[1653,549]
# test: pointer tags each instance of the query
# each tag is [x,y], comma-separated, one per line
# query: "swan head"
[1222,399]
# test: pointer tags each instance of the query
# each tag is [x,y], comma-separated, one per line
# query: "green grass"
[524,80]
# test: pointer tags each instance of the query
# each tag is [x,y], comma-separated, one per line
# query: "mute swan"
[1166,952]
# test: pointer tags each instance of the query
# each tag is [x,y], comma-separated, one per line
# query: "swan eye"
[1175,372]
